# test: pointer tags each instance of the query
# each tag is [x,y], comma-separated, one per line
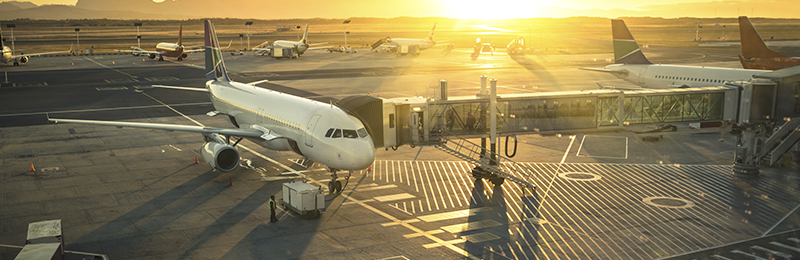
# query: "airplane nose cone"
[364,155]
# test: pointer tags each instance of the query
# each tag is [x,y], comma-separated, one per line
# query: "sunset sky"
[490,9]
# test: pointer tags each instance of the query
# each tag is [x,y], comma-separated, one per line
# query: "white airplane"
[22,58]
[632,66]
[298,47]
[168,49]
[423,44]
[321,132]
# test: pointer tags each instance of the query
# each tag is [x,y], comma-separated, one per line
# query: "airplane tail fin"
[180,35]
[430,35]
[305,36]
[215,66]
[626,50]
[752,44]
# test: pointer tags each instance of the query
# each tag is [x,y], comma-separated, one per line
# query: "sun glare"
[490,9]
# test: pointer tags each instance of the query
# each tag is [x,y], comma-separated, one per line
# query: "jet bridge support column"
[746,161]
[493,121]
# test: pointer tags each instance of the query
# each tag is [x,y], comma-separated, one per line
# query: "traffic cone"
[230,181]
[195,160]
[32,169]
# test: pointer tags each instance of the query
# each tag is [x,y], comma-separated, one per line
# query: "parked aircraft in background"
[755,54]
[632,66]
[396,43]
[297,47]
[318,131]
[22,58]
[176,50]
[516,46]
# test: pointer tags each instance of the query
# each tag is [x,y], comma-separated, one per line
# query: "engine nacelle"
[220,156]
[23,59]
[152,56]
[184,55]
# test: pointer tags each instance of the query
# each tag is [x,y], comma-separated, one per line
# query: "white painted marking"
[400,196]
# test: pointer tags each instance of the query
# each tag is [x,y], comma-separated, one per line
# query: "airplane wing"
[194,50]
[42,53]
[168,127]
[624,73]
[181,88]
[319,48]
[139,51]
[317,44]
[623,88]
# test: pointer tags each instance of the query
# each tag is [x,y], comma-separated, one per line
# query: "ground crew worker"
[272,205]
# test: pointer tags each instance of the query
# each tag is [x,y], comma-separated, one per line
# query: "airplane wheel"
[331,187]
[16,63]
[498,181]
[180,59]
[338,187]
[160,58]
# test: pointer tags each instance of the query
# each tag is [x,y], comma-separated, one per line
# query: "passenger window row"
[691,79]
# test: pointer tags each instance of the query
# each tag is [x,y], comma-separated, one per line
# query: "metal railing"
[472,152]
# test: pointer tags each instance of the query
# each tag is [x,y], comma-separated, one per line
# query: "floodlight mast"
[248,23]
[345,32]
[138,37]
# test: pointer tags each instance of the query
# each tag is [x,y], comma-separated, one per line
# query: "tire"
[331,187]
[498,181]
[338,187]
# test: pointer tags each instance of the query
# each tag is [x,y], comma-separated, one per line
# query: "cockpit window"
[337,133]
[329,133]
[362,132]
[350,133]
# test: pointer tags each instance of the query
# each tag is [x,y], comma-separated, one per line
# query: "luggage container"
[303,198]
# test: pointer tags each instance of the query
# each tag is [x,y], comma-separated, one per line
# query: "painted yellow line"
[432,232]
[398,223]
[107,67]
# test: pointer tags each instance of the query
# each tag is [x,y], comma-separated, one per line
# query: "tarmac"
[137,194]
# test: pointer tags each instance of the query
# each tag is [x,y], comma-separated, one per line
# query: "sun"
[491,9]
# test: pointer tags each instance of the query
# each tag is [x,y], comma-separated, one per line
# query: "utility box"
[303,198]
[279,53]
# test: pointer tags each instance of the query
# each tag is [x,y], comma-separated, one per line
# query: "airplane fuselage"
[675,76]
[6,55]
[297,124]
[170,49]
[298,46]
[422,43]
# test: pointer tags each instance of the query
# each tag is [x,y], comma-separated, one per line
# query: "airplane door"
[414,122]
[310,130]
[641,74]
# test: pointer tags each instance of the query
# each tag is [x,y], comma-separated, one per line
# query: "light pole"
[298,32]
[240,40]
[79,39]
[12,26]
[248,33]
[345,32]
[138,37]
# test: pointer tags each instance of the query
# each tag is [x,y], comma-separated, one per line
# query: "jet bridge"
[760,110]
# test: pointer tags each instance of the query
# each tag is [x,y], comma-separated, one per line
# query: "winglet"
[752,44]
[626,50]
[215,66]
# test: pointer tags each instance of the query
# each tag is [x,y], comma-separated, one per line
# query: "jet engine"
[23,59]
[152,56]
[184,55]
[220,156]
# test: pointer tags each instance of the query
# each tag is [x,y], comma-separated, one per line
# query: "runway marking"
[451,242]
[400,196]
[110,88]
[120,80]
[555,174]
[452,214]
[102,109]
[432,232]
[469,226]
[400,222]
[161,79]
[107,67]
[580,147]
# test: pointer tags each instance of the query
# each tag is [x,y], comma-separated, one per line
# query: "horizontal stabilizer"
[622,73]
[181,88]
